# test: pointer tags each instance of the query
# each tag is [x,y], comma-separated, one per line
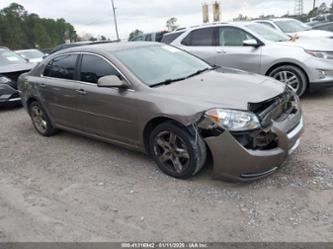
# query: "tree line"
[21,30]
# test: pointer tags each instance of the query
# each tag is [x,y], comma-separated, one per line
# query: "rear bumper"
[233,162]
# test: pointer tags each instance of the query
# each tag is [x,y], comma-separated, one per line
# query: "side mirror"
[251,43]
[111,81]
[45,55]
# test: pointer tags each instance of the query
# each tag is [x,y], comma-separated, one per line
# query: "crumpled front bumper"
[8,94]
[233,162]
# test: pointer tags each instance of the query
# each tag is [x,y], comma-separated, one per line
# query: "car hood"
[16,67]
[226,88]
[311,44]
[314,34]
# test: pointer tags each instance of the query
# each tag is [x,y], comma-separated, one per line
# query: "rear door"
[202,43]
[56,88]
[104,111]
[232,53]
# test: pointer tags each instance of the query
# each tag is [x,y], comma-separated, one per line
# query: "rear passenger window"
[148,37]
[267,24]
[170,37]
[62,67]
[201,37]
[94,67]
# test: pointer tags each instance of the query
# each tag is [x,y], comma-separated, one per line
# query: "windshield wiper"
[201,71]
[167,82]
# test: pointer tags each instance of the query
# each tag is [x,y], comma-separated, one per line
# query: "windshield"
[31,54]
[9,58]
[291,26]
[267,33]
[157,64]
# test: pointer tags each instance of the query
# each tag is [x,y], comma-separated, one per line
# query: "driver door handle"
[81,91]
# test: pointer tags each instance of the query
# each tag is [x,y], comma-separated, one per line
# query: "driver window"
[230,36]
[94,67]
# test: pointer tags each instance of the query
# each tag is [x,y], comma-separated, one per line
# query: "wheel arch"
[31,100]
[152,124]
[280,64]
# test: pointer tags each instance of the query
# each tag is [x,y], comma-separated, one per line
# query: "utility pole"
[115,19]
[299,7]
[314,4]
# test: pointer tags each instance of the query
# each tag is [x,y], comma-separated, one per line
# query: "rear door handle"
[81,91]
[42,85]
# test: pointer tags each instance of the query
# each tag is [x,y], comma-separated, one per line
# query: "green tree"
[18,29]
[171,24]
[134,33]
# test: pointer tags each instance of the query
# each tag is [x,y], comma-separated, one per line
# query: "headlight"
[233,120]
[4,80]
[321,54]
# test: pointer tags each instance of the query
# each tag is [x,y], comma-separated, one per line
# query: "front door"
[106,112]
[231,51]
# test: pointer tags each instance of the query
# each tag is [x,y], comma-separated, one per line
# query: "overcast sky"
[95,16]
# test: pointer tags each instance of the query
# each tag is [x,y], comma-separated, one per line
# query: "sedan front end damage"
[256,153]
[8,92]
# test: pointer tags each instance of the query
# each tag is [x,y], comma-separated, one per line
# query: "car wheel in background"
[293,76]
[40,120]
[176,152]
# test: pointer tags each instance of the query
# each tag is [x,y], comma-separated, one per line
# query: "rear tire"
[293,76]
[40,120]
[176,152]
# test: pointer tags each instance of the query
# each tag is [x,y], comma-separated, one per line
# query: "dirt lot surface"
[71,188]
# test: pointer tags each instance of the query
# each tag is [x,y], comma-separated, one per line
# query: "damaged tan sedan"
[172,105]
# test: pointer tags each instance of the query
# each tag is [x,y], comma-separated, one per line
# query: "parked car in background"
[173,106]
[170,37]
[294,27]
[328,26]
[259,49]
[31,55]
[78,44]
[11,66]
[322,18]
[153,36]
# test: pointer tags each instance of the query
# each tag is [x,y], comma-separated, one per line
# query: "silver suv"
[259,49]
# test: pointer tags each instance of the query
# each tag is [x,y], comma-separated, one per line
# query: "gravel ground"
[71,188]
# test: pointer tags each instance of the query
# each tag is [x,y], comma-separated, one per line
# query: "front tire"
[293,76]
[40,120]
[176,152]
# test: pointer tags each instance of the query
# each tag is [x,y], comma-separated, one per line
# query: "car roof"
[222,24]
[275,19]
[111,47]
[25,50]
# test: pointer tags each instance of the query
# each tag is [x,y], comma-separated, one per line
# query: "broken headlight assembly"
[233,120]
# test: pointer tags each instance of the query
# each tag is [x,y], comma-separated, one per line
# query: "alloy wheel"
[288,78]
[171,151]
[39,119]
